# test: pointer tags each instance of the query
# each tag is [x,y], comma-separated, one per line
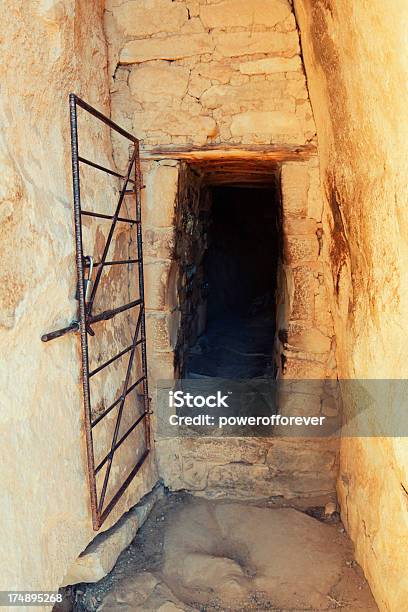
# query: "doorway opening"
[229,246]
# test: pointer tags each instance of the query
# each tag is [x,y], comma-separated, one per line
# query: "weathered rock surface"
[101,555]
[50,49]
[363,150]
[230,556]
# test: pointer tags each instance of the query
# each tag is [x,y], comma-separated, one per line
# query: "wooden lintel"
[274,153]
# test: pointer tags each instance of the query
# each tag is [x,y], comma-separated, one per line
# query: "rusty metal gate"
[89,274]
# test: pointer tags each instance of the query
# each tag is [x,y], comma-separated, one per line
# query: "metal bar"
[111,230]
[89,213]
[120,412]
[103,316]
[74,326]
[86,318]
[123,488]
[109,314]
[146,399]
[114,263]
[88,162]
[82,308]
[119,442]
[116,402]
[111,360]
[103,118]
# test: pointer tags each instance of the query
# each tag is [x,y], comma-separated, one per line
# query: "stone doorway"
[228,244]
[239,288]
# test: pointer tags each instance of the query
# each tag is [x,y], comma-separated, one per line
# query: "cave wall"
[357,68]
[50,48]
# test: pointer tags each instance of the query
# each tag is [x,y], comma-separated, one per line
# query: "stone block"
[301,369]
[311,341]
[299,226]
[305,116]
[167,48]
[295,185]
[194,129]
[231,13]
[146,17]
[298,327]
[271,65]
[158,83]
[235,44]
[306,484]
[289,457]
[296,88]
[155,280]
[323,316]
[158,243]
[160,367]
[173,326]
[330,406]
[101,555]
[240,480]
[246,95]
[303,296]
[301,248]
[159,196]
[157,333]
[197,85]
[225,450]
[193,7]
[214,71]
[299,404]
[266,122]
[194,474]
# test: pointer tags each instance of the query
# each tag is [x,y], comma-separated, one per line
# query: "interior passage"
[240,277]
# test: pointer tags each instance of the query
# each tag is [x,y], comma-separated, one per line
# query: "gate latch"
[88,281]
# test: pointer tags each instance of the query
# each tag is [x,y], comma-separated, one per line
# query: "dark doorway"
[240,277]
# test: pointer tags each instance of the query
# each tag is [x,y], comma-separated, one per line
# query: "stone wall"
[198,72]
[191,237]
[357,68]
[305,341]
[223,73]
[281,466]
[49,49]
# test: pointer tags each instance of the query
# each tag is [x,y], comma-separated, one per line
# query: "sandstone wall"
[227,73]
[49,49]
[357,68]
[202,72]
[192,220]
[305,340]
[280,466]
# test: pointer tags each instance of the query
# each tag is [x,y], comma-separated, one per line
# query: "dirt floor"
[197,554]
[234,347]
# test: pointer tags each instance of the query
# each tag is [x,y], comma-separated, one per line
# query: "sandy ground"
[197,554]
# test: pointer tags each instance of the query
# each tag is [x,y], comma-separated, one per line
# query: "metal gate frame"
[86,318]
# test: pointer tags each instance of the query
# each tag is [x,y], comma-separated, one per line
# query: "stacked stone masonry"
[225,73]
[176,206]
[197,72]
